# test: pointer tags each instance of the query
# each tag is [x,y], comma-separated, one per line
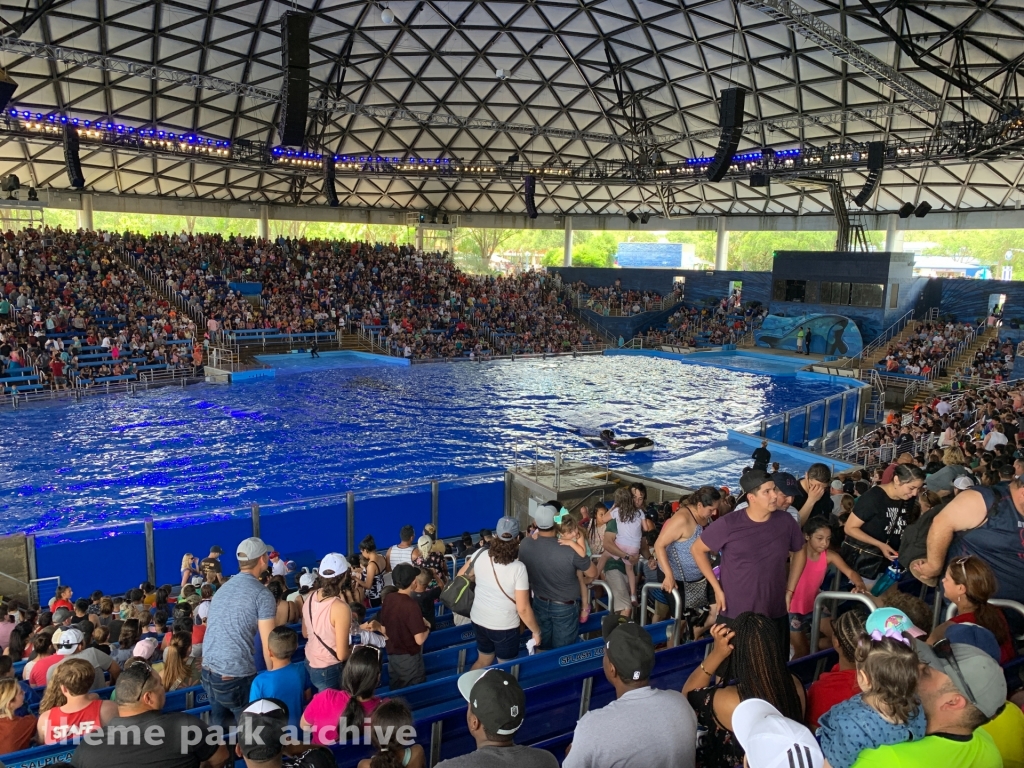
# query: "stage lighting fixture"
[387,16]
[423,218]
[905,210]
[32,195]
[433,217]
[513,159]
[632,217]
[10,185]
[444,219]
[645,217]
[922,209]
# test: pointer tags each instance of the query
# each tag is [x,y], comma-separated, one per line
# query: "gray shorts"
[618,585]
[405,670]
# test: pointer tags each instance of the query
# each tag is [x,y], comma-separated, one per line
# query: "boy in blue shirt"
[284,681]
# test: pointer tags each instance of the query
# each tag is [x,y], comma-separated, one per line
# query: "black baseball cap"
[786,483]
[404,575]
[754,479]
[629,647]
[261,729]
[496,698]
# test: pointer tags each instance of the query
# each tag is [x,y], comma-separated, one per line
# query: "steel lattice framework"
[587,82]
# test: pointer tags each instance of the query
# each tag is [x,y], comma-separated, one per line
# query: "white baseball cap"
[333,565]
[773,741]
[963,482]
[69,641]
[252,548]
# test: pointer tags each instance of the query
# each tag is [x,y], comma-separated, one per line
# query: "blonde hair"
[176,668]
[186,562]
[438,547]
[77,675]
[9,688]
[568,528]
[953,455]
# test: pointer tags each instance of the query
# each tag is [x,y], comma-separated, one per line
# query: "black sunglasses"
[944,651]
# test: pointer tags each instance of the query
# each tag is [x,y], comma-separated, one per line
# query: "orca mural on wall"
[830,334]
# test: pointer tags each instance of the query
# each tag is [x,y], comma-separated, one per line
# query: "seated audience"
[68,709]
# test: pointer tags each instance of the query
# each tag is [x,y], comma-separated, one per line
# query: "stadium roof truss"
[584,81]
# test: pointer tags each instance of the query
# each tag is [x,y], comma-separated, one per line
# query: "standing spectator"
[988,521]
[326,619]
[372,577]
[874,528]
[210,566]
[497,708]
[551,569]
[502,598]
[664,716]
[239,610]
[187,741]
[403,551]
[755,544]
[283,680]
[761,456]
[406,630]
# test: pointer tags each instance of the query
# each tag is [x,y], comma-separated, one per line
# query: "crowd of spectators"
[907,690]
[994,362]
[64,294]
[927,349]
[615,300]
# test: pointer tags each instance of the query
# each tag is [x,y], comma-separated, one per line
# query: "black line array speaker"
[876,159]
[529,190]
[71,159]
[7,89]
[922,210]
[905,210]
[329,176]
[291,127]
[730,120]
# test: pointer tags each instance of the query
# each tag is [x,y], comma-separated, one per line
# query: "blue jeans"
[559,624]
[323,678]
[226,695]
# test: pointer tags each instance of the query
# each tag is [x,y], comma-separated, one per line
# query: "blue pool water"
[776,365]
[173,451]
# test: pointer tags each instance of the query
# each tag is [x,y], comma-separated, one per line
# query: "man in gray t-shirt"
[239,609]
[552,570]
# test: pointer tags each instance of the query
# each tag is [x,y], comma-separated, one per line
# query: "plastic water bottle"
[890,576]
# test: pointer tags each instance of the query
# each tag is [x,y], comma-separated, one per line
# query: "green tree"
[476,245]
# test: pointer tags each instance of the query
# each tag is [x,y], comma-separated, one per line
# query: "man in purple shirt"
[755,544]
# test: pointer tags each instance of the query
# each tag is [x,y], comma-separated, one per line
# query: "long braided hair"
[759,665]
[847,630]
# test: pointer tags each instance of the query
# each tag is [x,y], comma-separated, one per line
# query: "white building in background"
[944,266]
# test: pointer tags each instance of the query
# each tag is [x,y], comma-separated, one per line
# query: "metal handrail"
[819,604]
[677,616]
[607,592]
[998,602]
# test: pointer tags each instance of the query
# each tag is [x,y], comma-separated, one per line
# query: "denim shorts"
[503,643]
[801,622]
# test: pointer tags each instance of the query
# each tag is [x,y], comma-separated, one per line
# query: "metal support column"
[255,515]
[350,507]
[893,235]
[508,495]
[85,218]
[785,427]
[263,226]
[567,255]
[435,493]
[150,552]
[722,245]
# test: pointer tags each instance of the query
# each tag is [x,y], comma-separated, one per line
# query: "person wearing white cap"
[326,620]
[72,642]
[239,609]
[770,740]
[962,483]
